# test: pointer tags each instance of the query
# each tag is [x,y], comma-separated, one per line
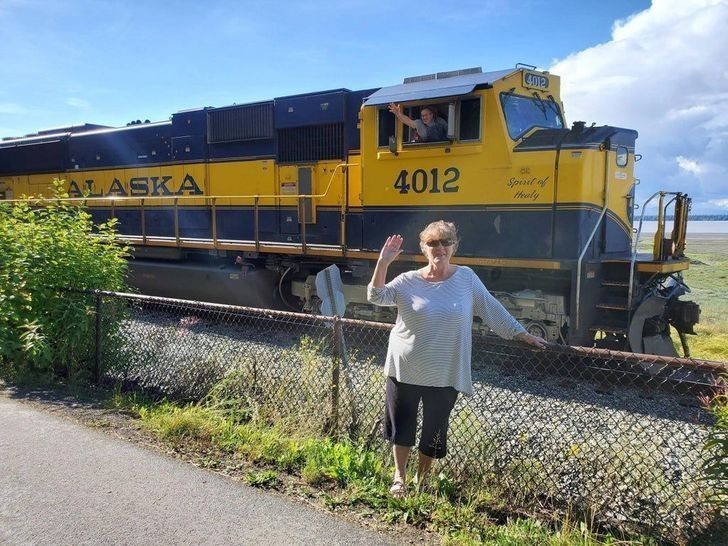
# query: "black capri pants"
[400,416]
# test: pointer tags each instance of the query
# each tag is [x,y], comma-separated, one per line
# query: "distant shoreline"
[691,218]
[647,235]
[703,236]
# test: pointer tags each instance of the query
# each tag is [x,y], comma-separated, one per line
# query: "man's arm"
[397,111]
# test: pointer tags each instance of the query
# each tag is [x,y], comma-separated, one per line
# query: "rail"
[211,201]
[657,249]
[589,241]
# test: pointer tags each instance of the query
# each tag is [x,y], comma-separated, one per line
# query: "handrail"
[636,239]
[590,239]
[213,200]
[256,226]
[302,209]
[144,225]
[214,222]
[176,221]
[116,198]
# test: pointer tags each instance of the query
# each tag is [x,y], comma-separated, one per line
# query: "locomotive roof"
[122,128]
[47,136]
[54,133]
[435,88]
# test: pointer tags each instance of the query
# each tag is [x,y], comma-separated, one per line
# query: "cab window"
[387,124]
[469,119]
[467,122]
[415,113]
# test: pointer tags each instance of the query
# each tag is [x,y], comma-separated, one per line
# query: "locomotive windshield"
[523,113]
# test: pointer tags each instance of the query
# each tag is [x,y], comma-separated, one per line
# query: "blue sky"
[110,62]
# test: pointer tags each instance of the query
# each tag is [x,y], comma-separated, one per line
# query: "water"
[694,226]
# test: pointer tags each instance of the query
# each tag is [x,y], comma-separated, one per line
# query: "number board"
[533,79]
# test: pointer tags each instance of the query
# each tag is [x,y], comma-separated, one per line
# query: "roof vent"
[444,75]
[426,77]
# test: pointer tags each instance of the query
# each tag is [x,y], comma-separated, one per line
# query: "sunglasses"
[439,242]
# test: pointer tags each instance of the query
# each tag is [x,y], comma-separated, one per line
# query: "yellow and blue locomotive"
[247,203]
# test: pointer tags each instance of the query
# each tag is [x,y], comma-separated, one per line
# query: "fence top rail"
[606,354]
[208,306]
[674,361]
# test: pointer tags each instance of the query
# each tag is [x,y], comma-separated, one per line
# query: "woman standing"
[429,352]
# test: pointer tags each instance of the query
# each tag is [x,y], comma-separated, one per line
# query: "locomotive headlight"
[622,156]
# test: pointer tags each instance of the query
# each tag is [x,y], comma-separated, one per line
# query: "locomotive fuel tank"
[219,283]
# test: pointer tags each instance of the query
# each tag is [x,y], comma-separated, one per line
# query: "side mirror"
[393,144]
[451,121]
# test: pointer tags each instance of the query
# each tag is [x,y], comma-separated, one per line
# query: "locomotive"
[246,203]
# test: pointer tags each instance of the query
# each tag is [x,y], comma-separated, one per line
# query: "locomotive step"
[645,263]
[613,306]
[616,284]
[613,302]
[609,328]
[627,258]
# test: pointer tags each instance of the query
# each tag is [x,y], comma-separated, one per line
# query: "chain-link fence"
[617,436]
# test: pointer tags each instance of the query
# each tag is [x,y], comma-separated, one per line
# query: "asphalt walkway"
[63,483]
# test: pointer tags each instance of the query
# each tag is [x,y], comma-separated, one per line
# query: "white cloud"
[662,73]
[77,103]
[689,165]
[11,108]
[720,203]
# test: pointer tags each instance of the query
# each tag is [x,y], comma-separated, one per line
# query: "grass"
[350,476]
[264,479]
[707,278]
[708,281]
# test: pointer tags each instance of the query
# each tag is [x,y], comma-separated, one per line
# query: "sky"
[658,66]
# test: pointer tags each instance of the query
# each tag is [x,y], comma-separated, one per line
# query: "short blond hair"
[446,230]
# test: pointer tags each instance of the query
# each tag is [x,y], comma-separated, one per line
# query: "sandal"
[398,489]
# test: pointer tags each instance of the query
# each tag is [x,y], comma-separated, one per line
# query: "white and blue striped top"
[431,342]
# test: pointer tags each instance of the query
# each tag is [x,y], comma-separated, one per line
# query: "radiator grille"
[237,123]
[315,143]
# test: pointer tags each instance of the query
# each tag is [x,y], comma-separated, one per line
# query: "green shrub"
[47,246]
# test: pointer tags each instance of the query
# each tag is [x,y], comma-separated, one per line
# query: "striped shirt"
[431,342]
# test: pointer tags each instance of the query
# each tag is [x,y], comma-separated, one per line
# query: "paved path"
[62,483]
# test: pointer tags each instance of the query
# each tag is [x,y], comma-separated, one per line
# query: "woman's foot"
[398,489]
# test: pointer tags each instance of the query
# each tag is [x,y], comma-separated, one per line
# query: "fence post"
[335,370]
[97,359]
